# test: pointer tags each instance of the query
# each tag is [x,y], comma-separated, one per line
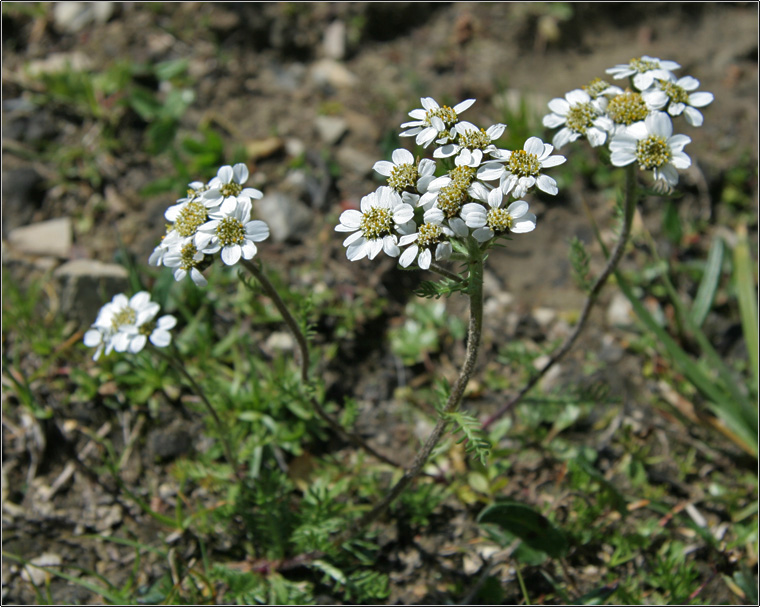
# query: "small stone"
[36,575]
[355,161]
[50,238]
[287,217]
[331,128]
[332,73]
[334,40]
[263,148]
[73,17]
[75,61]
[544,316]
[620,311]
[280,341]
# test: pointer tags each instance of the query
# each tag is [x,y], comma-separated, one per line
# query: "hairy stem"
[303,354]
[612,263]
[455,398]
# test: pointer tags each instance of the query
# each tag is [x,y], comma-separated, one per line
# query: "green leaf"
[532,527]
[598,596]
[709,283]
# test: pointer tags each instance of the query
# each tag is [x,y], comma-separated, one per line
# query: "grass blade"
[744,280]
[709,283]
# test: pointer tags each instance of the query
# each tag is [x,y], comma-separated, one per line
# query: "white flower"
[472,143]
[433,121]
[644,71]
[523,169]
[677,95]
[125,325]
[431,234]
[488,222]
[581,116]
[372,226]
[185,257]
[405,176]
[233,232]
[226,189]
[652,144]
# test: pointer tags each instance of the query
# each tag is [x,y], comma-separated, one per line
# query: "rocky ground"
[312,94]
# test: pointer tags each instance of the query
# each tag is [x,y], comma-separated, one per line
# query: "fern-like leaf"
[471,431]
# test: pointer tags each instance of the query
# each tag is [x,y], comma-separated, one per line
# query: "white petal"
[461,107]
[349,220]
[240,173]
[408,256]
[231,254]
[248,249]
[700,99]
[547,184]
[225,174]
[424,259]
[383,167]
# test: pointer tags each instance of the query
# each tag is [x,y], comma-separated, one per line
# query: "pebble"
[72,17]
[287,217]
[620,311]
[51,238]
[331,128]
[34,574]
[334,41]
[333,73]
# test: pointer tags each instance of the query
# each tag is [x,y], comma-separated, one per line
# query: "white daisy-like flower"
[186,259]
[472,143]
[433,121]
[580,116]
[652,144]
[433,233]
[644,71]
[226,189]
[125,324]
[487,222]
[405,176]
[233,231]
[523,169]
[372,226]
[677,95]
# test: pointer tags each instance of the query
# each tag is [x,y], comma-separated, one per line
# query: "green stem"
[455,398]
[596,288]
[224,433]
[303,351]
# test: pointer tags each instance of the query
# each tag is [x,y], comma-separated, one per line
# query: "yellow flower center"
[499,220]
[643,65]
[580,117]
[451,198]
[653,152]
[187,256]
[230,231]
[125,316]
[404,177]
[231,189]
[676,93]
[595,87]
[376,223]
[428,234]
[524,164]
[475,140]
[190,218]
[627,108]
[445,113]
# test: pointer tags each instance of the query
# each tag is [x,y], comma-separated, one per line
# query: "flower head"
[432,234]
[523,169]
[678,98]
[226,189]
[407,177]
[125,324]
[494,219]
[372,226]
[580,116]
[433,121]
[652,144]
[644,70]
[232,231]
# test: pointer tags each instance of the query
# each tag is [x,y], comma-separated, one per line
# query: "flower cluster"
[126,324]
[418,216]
[213,217]
[635,122]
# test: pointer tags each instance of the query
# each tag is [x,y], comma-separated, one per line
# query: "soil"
[262,76]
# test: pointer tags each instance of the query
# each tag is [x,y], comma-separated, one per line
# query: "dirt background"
[266,75]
